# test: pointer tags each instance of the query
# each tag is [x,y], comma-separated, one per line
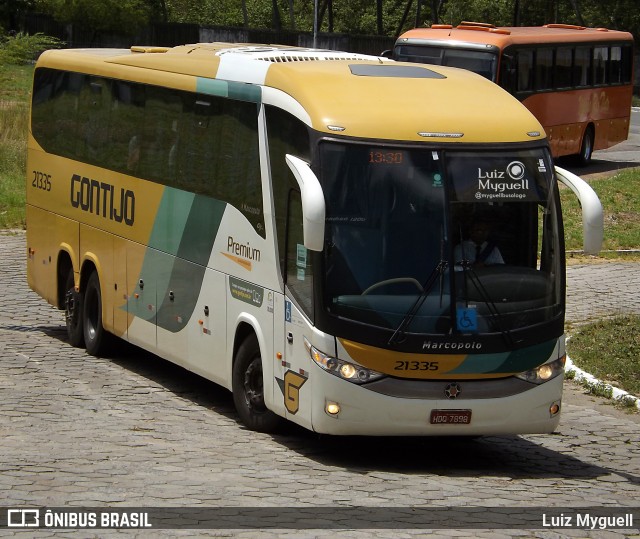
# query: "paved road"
[621,156]
[135,431]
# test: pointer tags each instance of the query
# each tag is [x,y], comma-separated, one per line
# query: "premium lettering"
[242,250]
[103,199]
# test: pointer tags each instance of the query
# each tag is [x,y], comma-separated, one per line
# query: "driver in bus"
[479,249]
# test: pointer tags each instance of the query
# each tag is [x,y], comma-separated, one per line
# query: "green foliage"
[349,16]
[23,48]
[15,82]
[610,350]
[118,16]
[613,14]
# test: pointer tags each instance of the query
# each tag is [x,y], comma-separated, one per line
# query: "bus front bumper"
[364,412]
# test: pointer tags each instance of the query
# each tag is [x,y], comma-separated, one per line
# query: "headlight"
[342,369]
[545,372]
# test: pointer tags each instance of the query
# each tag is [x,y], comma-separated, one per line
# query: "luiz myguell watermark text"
[325,517]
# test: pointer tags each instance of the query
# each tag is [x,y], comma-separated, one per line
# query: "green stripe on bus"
[506,362]
[174,265]
[234,90]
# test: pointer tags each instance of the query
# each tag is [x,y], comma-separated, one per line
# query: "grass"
[621,203]
[15,87]
[609,350]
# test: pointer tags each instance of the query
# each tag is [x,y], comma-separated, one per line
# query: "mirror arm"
[592,213]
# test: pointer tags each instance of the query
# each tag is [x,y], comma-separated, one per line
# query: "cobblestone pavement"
[595,291]
[135,431]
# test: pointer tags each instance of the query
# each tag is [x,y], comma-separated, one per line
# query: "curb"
[581,376]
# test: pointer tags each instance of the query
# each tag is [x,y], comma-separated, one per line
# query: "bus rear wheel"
[586,149]
[96,338]
[248,388]
[73,300]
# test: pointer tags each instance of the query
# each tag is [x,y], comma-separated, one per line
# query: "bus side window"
[509,72]
[562,71]
[237,178]
[627,64]
[299,258]
[582,67]
[286,135]
[54,111]
[615,64]
[544,69]
[525,70]
[128,116]
[600,64]
[156,135]
[94,113]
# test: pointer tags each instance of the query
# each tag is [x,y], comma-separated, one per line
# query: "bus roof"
[504,36]
[341,93]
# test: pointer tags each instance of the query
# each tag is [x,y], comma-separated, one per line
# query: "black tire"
[97,340]
[586,148]
[248,388]
[73,301]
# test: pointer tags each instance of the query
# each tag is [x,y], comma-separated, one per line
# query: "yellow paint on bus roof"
[401,108]
[119,64]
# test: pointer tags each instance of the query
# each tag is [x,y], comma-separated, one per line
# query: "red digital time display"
[380,157]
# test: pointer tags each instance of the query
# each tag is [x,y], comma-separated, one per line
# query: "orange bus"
[577,81]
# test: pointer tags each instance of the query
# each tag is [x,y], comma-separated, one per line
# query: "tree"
[12,13]
[117,16]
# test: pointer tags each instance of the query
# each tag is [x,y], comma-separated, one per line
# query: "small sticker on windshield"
[467,319]
[301,256]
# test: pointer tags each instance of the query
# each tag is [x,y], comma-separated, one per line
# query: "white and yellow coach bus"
[294,225]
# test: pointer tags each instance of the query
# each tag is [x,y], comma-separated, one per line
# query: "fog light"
[554,408]
[332,408]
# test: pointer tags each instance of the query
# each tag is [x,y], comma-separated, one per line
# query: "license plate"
[450,417]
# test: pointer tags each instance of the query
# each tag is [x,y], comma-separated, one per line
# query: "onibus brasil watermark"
[322,517]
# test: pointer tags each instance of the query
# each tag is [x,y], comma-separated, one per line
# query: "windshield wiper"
[437,272]
[485,297]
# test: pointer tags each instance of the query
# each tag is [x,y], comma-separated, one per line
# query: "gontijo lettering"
[101,198]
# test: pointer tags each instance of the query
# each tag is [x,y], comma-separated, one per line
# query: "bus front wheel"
[96,338]
[73,300]
[248,388]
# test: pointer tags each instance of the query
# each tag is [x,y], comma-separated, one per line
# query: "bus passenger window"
[615,65]
[600,63]
[128,115]
[582,67]
[94,113]
[564,58]
[525,71]
[544,69]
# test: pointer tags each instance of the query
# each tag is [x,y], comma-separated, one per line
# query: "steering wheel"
[395,280]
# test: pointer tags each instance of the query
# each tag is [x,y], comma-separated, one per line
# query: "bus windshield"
[481,62]
[441,242]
